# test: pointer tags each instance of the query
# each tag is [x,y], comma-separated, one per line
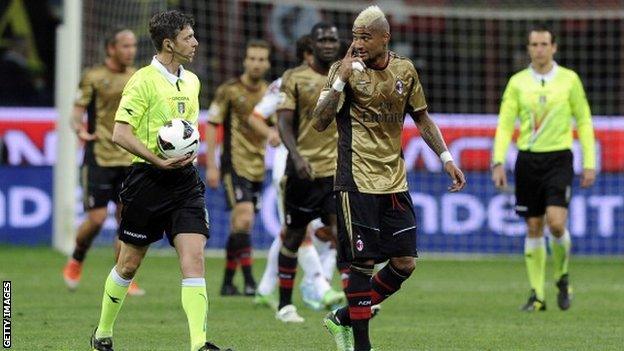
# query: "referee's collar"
[172,78]
[545,77]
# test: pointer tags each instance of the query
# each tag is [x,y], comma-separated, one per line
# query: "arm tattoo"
[431,134]
[325,111]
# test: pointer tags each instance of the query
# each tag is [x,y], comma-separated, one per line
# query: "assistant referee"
[545,97]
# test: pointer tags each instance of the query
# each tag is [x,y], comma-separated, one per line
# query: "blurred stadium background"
[464,50]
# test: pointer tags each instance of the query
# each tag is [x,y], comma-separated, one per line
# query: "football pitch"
[448,304]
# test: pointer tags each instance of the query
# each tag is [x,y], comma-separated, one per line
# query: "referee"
[160,195]
[545,97]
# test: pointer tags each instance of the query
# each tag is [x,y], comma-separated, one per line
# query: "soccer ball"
[178,138]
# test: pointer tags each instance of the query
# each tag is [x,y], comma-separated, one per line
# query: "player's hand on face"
[274,138]
[459,181]
[213,177]
[588,178]
[346,68]
[499,177]
[303,168]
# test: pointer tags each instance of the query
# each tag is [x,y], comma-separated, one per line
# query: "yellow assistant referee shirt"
[545,105]
[153,97]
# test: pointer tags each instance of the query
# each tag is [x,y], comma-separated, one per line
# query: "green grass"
[448,304]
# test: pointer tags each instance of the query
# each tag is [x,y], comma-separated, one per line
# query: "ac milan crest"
[399,86]
[359,245]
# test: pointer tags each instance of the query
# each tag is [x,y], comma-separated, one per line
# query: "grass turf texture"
[448,304]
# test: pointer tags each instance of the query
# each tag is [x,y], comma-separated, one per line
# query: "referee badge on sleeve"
[181,107]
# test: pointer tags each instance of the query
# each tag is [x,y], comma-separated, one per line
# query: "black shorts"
[159,201]
[542,179]
[375,226]
[101,185]
[306,200]
[239,189]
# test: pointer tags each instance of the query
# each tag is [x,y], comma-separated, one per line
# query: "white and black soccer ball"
[178,138]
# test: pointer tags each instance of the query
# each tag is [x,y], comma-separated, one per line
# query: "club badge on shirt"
[399,86]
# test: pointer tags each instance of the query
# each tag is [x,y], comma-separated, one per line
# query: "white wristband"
[446,157]
[338,85]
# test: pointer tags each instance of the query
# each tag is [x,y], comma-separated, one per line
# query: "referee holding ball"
[160,195]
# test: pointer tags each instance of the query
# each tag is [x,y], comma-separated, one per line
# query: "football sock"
[244,256]
[230,260]
[560,248]
[359,297]
[386,282]
[535,259]
[115,290]
[269,277]
[80,251]
[195,305]
[83,243]
[287,268]
[311,265]
[328,261]
[343,268]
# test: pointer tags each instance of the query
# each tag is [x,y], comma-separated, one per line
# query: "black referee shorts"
[157,202]
[542,179]
[375,226]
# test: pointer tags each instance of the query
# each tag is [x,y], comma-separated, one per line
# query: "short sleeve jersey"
[153,97]
[370,124]
[545,109]
[243,148]
[301,88]
[99,92]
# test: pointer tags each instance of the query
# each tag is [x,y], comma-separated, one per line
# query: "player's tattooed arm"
[429,131]
[432,136]
[325,110]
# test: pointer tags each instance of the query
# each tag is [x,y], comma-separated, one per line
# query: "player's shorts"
[542,179]
[375,226]
[101,184]
[305,200]
[157,202]
[239,189]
